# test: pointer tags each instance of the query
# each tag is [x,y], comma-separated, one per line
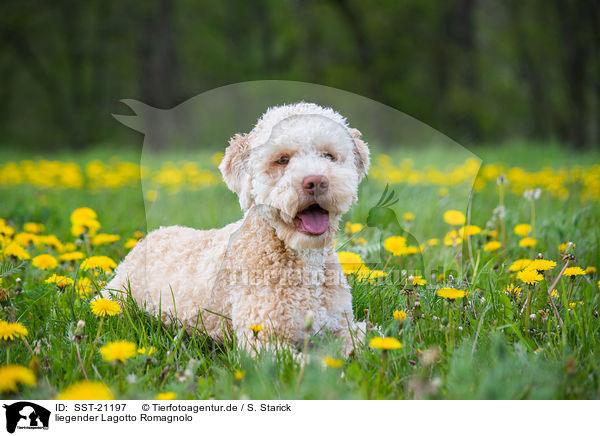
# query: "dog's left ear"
[234,168]
[361,153]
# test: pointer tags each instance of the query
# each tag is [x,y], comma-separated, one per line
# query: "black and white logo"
[26,415]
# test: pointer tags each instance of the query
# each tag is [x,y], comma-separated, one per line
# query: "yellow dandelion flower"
[395,245]
[399,315]
[104,307]
[44,261]
[83,213]
[216,158]
[256,328]
[86,390]
[11,330]
[443,192]
[14,249]
[572,305]
[454,217]
[513,289]
[84,287]
[590,270]
[239,375]
[71,256]
[522,229]
[13,375]
[528,242]
[416,280]
[574,271]
[352,228]
[361,241]
[519,265]
[24,239]
[147,351]
[104,263]
[493,234]
[554,293]
[351,262]
[564,246]
[60,281]
[331,362]
[541,265]
[432,242]
[469,231]
[452,239]
[34,227]
[118,350]
[529,276]
[104,238]
[408,216]
[450,293]
[492,246]
[130,243]
[166,396]
[385,343]
[90,227]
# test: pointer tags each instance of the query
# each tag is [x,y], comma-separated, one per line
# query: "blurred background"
[480,71]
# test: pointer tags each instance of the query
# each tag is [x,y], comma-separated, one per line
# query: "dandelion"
[522,229]
[519,265]
[84,287]
[352,228]
[118,351]
[408,216]
[432,242]
[13,375]
[104,263]
[60,281]
[166,396]
[452,239]
[256,329]
[331,362]
[514,290]
[400,315]
[590,270]
[574,271]
[528,242]
[469,231]
[45,261]
[71,256]
[529,276]
[14,249]
[450,293]
[361,241]
[147,351]
[387,343]
[351,262]
[86,390]
[130,243]
[395,245]
[563,247]
[239,375]
[492,246]
[104,307]
[417,281]
[34,227]
[11,330]
[541,265]
[104,238]
[454,217]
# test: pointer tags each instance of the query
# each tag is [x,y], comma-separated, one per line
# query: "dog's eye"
[329,156]
[283,160]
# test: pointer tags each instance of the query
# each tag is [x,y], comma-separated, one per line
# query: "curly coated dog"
[295,174]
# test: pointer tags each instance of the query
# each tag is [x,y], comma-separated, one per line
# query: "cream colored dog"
[296,173]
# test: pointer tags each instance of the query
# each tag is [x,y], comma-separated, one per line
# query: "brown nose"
[315,185]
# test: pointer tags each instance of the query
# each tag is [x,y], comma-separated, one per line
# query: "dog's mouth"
[314,220]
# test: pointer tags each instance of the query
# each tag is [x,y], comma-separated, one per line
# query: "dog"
[295,174]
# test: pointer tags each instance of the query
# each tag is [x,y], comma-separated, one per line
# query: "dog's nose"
[315,185]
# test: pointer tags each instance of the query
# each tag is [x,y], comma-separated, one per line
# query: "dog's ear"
[361,153]
[234,168]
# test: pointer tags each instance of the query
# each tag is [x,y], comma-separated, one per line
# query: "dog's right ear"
[235,170]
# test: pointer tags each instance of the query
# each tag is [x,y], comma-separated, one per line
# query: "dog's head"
[302,164]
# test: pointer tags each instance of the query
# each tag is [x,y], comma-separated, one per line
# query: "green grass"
[485,352]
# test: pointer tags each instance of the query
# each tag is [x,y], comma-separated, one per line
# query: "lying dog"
[296,173]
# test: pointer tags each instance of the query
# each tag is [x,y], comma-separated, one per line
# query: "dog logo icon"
[26,415]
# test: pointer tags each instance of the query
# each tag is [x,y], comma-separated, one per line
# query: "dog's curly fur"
[266,268]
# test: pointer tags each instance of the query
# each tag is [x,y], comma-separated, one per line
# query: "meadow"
[503,305]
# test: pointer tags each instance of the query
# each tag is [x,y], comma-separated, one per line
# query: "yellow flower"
[45,261]
[563,247]
[492,246]
[361,241]
[351,262]
[529,276]
[541,265]
[12,375]
[492,233]
[469,231]
[365,273]
[450,293]
[554,293]
[513,289]
[256,328]
[399,315]
[84,287]
[10,330]
[443,192]
[130,243]
[238,375]
[71,256]
[353,227]
[385,343]
[24,239]
[519,264]
[118,350]
[417,281]
[105,263]
[527,242]
[217,157]
[33,227]
[408,216]
[83,220]
[103,307]
[454,217]
[83,213]
[166,396]
[522,229]
[574,271]
[14,249]
[331,362]
[104,238]
[60,281]
[147,351]
[86,390]
[452,239]
[395,245]
[590,270]
[572,305]
[433,242]
[151,195]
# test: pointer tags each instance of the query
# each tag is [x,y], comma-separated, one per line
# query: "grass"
[483,346]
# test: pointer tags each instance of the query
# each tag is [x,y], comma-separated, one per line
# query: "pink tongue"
[314,221]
